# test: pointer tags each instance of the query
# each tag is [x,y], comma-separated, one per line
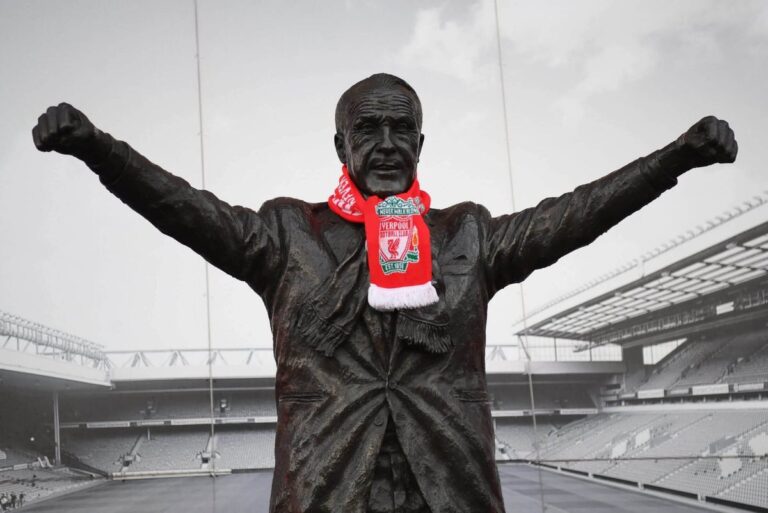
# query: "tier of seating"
[170,405]
[749,369]
[101,449]
[719,453]
[751,490]
[516,437]
[106,407]
[715,366]
[546,397]
[259,403]
[171,449]
[739,358]
[245,448]
[669,370]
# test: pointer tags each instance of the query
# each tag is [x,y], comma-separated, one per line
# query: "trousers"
[394,488]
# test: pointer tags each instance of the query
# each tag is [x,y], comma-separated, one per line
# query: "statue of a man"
[377,302]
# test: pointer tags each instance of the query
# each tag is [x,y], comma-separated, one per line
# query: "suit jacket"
[332,411]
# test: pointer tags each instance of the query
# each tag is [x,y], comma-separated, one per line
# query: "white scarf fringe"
[413,296]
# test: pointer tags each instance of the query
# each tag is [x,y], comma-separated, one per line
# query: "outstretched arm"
[235,239]
[537,237]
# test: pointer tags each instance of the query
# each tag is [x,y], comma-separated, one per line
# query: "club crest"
[398,237]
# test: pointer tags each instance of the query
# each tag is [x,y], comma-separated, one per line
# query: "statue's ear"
[338,141]
[421,145]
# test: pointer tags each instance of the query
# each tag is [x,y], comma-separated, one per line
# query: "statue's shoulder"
[293,205]
[295,209]
[459,213]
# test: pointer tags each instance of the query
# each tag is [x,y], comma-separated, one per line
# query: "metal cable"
[211,460]
[523,343]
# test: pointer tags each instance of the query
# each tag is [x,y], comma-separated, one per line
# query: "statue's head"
[378,134]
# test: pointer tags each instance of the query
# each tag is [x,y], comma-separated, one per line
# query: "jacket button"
[380,419]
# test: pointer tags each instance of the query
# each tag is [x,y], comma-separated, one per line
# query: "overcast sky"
[591,85]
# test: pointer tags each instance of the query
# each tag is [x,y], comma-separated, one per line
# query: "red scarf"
[397,241]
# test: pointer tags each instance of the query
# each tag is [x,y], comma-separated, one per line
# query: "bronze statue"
[379,409]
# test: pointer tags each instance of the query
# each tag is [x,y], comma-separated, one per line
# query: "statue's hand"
[66,130]
[709,141]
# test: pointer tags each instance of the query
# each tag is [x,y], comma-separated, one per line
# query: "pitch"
[249,493]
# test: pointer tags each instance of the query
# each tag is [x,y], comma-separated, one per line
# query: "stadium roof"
[33,355]
[738,263]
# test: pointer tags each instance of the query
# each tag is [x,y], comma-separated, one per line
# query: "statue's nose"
[386,145]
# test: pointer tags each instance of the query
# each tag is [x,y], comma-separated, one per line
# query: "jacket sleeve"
[237,240]
[519,243]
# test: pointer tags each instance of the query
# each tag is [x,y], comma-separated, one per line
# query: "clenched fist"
[709,141]
[66,130]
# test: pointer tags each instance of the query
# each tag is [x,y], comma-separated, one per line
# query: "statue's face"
[381,141]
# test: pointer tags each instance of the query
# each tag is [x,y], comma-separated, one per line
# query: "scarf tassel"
[434,338]
[319,333]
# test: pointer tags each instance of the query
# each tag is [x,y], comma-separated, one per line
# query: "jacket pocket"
[475,395]
[301,397]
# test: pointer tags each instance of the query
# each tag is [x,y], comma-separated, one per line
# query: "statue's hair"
[377,81]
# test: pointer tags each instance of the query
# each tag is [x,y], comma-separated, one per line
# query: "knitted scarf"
[399,265]
[397,238]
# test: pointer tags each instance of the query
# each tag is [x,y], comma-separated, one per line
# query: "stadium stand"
[741,358]
[710,477]
[104,449]
[750,368]
[669,370]
[751,490]
[663,448]
[714,367]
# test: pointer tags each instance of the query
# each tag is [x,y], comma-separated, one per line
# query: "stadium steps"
[136,445]
[133,453]
[209,452]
